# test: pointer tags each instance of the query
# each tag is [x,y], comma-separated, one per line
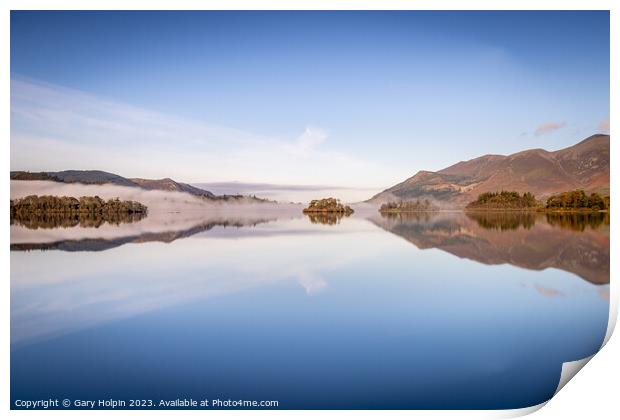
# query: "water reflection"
[577,243]
[166,236]
[422,216]
[66,220]
[504,220]
[578,221]
[316,316]
[325,218]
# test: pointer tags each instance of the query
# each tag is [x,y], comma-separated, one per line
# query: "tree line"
[504,200]
[569,200]
[577,199]
[48,204]
[407,206]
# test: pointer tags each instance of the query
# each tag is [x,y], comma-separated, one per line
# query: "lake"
[420,311]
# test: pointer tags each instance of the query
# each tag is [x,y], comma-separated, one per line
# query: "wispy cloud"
[548,127]
[312,137]
[604,125]
[55,128]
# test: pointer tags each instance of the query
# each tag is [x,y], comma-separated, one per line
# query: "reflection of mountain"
[531,242]
[100,244]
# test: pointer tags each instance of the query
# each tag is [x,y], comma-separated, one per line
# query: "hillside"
[101,177]
[582,166]
[168,184]
[83,177]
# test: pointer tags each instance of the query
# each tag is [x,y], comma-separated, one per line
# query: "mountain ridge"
[584,165]
[101,177]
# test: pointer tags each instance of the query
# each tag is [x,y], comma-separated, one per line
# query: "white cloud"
[548,127]
[603,126]
[56,128]
[312,137]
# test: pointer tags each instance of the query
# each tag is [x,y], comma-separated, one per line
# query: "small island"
[577,200]
[95,205]
[504,200]
[52,211]
[407,206]
[328,205]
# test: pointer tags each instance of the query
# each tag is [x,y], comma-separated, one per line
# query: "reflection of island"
[535,241]
[504,220]
[325,218]
[577,221]
[101,244]
[66,220]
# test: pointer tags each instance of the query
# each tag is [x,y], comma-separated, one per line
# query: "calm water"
[429,311]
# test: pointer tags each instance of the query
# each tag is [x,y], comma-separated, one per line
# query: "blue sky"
[359,99]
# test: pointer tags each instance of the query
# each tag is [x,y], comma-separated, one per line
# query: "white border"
[600,392]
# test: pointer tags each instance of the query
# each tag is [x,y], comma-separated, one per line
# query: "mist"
[167,211]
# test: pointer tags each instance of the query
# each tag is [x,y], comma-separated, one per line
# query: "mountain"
[101,177]
[168,184]
[83,177]
[582,166]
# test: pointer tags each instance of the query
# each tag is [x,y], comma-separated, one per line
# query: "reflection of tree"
[423,216]
[504,220]
[578,221]
[407,206]
[325,218]
[556,240]
[65,220]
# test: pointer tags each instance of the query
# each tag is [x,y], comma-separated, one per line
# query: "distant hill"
[168,184]
[101,177]
[83,177]
[582,166]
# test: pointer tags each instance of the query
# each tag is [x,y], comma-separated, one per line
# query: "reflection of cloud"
[312,282]
[604,125]
[54,293]
[545,291]
[548,127]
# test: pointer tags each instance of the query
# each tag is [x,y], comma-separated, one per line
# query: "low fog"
[167,211]
[157,201]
